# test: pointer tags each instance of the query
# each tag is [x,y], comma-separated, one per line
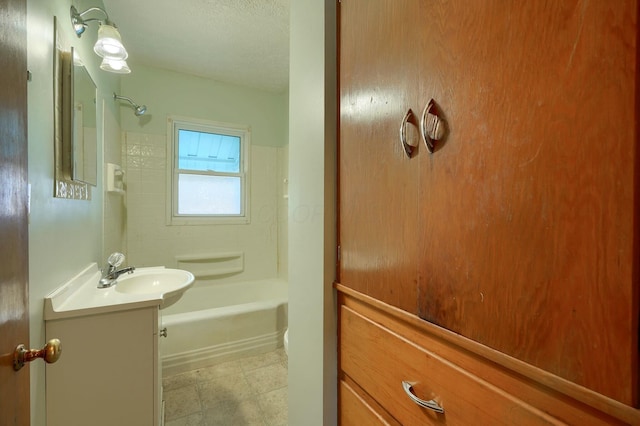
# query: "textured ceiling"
[243,42]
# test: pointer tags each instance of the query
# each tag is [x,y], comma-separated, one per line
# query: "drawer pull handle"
[431,127]
[408,146]
[431,405]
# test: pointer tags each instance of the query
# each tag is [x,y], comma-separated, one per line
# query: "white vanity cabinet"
[109,371]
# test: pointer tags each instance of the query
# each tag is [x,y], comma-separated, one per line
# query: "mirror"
[75,131]
[84,132]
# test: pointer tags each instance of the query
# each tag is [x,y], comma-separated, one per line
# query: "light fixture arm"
[80,23]
[108,44]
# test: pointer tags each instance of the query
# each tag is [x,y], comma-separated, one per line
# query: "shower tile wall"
[151,242]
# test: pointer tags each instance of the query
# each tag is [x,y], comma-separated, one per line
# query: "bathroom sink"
[169,283]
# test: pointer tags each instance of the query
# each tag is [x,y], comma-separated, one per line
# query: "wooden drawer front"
[379,360]
[355,411]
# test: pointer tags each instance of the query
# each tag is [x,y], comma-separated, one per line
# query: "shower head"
[138,110]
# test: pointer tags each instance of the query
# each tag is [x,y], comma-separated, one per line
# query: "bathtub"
[218,322]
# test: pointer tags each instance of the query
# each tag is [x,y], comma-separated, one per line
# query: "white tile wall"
[151,242]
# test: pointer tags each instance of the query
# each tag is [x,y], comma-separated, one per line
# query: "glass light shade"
[118,66]
[109,44]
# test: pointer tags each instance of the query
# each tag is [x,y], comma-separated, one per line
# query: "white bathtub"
[218,322]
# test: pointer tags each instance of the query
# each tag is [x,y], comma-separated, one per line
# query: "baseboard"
[206,357]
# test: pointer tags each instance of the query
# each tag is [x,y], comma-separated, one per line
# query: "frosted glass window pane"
[209,195]
[208,151]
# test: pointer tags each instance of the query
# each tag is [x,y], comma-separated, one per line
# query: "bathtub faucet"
[111,272]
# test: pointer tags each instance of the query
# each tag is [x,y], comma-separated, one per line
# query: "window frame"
[177,123]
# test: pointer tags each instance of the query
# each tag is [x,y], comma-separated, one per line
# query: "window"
[208,174]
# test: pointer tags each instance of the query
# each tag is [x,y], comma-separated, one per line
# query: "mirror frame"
[64,185]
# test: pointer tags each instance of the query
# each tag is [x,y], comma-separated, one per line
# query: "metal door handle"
[431,127]
[407,146]
[50,354]
[431,405]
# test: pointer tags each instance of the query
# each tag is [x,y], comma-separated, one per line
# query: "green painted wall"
[65,236]
[171,93]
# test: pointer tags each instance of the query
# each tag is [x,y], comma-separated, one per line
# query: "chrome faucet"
[111,272]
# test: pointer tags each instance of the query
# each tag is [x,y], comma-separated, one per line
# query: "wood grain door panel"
[14,314]
[520,231]
[528,211]
[378,183]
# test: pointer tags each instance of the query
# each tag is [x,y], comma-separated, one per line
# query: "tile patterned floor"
[245,392]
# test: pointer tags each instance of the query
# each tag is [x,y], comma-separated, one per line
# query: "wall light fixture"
[109,44]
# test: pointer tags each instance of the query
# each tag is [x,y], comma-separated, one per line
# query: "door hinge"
[338,254]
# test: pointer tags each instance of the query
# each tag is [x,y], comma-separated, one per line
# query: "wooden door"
[14,325]
[529,239]
[378,182]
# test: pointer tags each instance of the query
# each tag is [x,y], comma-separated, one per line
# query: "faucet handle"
[115,259]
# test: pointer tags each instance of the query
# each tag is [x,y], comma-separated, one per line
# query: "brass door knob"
[50,354]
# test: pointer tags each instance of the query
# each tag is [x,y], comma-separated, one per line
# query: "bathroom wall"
[64,235]
[312,214]
[150,241]
[113,222]
[283,212]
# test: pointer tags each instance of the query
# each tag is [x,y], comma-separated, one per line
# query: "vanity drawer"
[379,360]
